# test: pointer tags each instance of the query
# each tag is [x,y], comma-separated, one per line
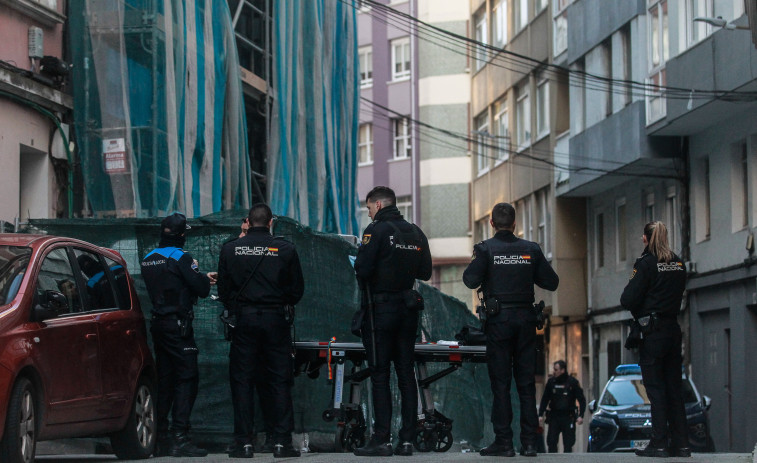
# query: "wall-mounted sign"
[114,156]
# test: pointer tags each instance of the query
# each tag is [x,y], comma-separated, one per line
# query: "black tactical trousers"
[396,328]
[260,356]
[660,361]
[561,423]
[178,376]
[511,351]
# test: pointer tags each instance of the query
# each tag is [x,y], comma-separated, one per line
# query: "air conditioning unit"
[36,45]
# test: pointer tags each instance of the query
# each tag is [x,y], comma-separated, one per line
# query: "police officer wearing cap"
[174,283]
[507,268]
[653,296]
[393,254]
[258,275]
[559,402]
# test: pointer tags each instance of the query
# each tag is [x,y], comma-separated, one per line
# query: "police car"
[622,419]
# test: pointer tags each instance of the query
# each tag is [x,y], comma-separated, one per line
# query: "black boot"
[528,450]
[375,448]
[498,449]
[162,445]
[242,451]
[182,446]
[650,451]
[282,450]
[404,449]
[681,452]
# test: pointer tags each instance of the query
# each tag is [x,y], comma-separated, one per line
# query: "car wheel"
[136,441]
[20,439]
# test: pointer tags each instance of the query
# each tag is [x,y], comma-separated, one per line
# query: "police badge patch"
[366,239]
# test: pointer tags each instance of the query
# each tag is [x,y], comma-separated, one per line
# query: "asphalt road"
[433,458]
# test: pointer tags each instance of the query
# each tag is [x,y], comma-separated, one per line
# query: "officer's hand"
[541,420]
[580,420]
[213,276]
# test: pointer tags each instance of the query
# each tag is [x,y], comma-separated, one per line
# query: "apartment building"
[35,110]
[719,138]
[413,87]
[520,120]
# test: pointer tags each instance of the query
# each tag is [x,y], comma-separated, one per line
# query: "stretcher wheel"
[353,438]
[431,440]
[328,415]
[443,441]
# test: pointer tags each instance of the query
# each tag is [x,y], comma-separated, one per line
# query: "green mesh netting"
[331,297]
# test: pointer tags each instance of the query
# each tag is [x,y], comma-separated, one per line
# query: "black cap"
[174,224]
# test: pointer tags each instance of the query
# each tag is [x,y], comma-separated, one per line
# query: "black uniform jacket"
[392,263]
[507,267]
[277,280]
[654,286]
[561,394]
[173,281]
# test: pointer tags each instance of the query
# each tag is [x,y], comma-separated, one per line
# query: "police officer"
[653,296]
[258,275]
[393,254]
[560,396]
[507,268]
[174,283]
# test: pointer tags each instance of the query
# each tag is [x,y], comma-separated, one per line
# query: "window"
[606,53]
[560,26]
[649,215]
[523,120]
[99,292]
[671,217]
[403,147]
[502,126]
[542,108]
[366,66]
[521,14]
[658,55]
[706,191]
[620,226]
[625,39]
[599,231]
[405,205]
[56,275]
[363,6]
[365,144]
[578,82]
[740,186]
[500,23]
[541,4]
[695,9]
[482,142]
[613,355]
[401,59]
[483,229]
[542,215]
[744,186]
[525,227]
[481,37]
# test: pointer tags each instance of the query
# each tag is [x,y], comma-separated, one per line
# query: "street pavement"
[432,457]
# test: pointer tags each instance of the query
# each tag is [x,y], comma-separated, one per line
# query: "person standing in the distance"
[393,254]
[559,402]
[653,296]
[174,283]
[507,268]
[259,275]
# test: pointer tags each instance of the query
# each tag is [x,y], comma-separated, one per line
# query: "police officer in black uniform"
[258,275]
[174,283]
[393,254]
[653,296]
[507,268]
[560,396]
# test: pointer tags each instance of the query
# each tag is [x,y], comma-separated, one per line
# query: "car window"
[118,272]
[632,392]
[56,274]
[99,293]
[13,263]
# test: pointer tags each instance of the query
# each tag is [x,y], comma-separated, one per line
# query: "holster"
[185,324]
[539,311]
[413,300]
[649,323]
[491,306]
[635,336]
[289,314]
[229,321]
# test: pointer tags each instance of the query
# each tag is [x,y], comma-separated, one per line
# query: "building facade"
[35,109]
[412,89]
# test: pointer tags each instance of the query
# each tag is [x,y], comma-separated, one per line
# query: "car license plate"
[639,444]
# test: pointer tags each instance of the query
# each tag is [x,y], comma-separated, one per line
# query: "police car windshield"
[13,263]
[625,392]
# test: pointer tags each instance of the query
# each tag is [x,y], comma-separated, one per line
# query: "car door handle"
[90,336]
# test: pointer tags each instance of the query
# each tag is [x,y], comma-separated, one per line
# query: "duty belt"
[170,316]
[382,298]
[513,305]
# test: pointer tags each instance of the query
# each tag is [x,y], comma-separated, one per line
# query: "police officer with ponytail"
[653,296]
[507,268]
[174,282]
[392,255]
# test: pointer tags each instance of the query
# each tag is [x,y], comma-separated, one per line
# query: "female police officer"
[653,295]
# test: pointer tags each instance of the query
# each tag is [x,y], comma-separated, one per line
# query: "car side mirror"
[55,304]
[593,406]
[707,402]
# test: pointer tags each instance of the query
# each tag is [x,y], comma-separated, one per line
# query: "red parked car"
[74,359]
